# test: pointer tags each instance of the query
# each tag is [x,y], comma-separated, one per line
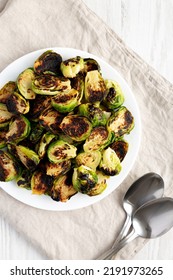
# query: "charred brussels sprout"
[114,95]
[28,157]
[95,114]
[121,122]
[58,169]
[5,115]
[50,85]
[24,179]
[44,142]
[71,67]
[110,163]
[120,147]
[95,88]
[19,129]
[84,179]
[100,186]
[78,84]
[76,127]
[48,61]
[41,183]
[36,132]
[66,101]
[8,167]
[24,83]
[98,139]
[17,104]
[63,189]
[38,106]
[6,91]
[91,64]
[50,119]
[90,159]
[59,151]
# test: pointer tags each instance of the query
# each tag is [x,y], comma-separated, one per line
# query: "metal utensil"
[147,188]
[151,220]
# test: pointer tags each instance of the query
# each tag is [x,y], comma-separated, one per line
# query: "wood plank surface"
[146,26]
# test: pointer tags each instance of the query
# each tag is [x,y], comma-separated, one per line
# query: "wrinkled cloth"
[86,233]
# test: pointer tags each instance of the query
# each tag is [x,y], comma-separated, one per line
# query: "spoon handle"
[111,252]
[124,230]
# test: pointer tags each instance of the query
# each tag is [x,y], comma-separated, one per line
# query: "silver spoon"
[147,188]
[150,221]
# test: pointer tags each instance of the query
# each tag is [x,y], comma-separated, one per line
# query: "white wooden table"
[147,27]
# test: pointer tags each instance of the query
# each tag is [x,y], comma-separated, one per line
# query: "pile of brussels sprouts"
[62,128]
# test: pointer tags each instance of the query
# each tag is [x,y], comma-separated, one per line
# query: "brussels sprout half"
[91,64]
[57,169]
[24,83]
[90,159]
[76,127]
[66,101]
[100,186]
[24,179]
[50,119]
[44,142]
[8,167]
[41,183]
[50,84]
[17,104]
[95,88]
[28,157]
[48,61]
[59,151]
[84,179]
[114,95]
[95,114]
[110,163]
[6,91]
[19,129]
[98,139]
[37,106]
[121,122]
[5,115]
[120,147]
[71,67]
[63,189]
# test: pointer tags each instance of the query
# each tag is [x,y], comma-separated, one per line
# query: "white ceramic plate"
[11,72]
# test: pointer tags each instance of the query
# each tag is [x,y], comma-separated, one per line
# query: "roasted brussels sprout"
[50,84]
[17,104]
[8,167]
[37,106]
[90,159]
[76,127]
[91,64]
[41,183]
[114,95]
[36,132]
[100,186]
[19,129]
[84,179]
[48,61]
[24,83]
[6,91]
[95,114]
[59,151]
[78,84]
[5,115]
[97,140]
[71,67]
[28,157]
[95,88]
[24,179]
[110,163]
[63,189]
[121,122]
[44,142]
[120,147]
[57,169]
[66,101]
[50,119]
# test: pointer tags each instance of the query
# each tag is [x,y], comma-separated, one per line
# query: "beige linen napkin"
[86,233]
